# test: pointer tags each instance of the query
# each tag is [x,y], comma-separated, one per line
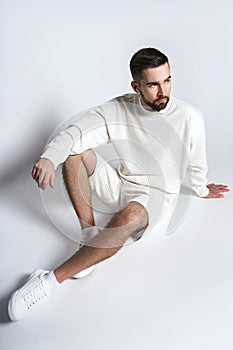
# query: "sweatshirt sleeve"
[88,131]
[197,167]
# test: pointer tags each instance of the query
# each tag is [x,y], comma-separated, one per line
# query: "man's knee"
[136,213]
[133,217]
[87,159]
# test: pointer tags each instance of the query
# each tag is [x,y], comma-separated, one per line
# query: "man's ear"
[134,85]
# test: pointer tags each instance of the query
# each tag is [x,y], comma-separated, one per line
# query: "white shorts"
[115,192]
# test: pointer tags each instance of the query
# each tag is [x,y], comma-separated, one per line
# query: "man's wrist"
[52,156]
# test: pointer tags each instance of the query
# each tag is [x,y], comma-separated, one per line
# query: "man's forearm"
[198,180]
[60,147]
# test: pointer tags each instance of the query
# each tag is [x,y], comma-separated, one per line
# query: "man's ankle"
[52,280]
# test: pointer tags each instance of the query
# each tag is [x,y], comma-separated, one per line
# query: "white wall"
[61,56]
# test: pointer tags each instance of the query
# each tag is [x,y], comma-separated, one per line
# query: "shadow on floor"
[4,318]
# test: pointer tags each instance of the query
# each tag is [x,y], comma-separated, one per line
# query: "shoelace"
[35,295]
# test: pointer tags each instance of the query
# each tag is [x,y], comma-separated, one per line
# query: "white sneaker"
[31,295]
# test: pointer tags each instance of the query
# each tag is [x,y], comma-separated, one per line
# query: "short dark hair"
[146,58]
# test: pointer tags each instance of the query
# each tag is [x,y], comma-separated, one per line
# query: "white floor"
[173,292]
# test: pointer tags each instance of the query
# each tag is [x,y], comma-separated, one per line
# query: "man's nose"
[161,90]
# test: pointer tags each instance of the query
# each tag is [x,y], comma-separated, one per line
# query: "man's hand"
[43,173]
[216,190]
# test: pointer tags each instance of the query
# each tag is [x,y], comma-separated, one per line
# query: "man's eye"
[167,81]
[152,85]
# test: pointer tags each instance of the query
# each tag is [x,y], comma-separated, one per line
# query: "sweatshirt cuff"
[53,156]
[202,191]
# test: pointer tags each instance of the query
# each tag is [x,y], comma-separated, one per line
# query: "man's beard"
[155,105]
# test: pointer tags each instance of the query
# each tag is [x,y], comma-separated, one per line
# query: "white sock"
[51,279]
[88,233]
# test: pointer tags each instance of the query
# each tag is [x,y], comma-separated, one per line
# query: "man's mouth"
[161,100]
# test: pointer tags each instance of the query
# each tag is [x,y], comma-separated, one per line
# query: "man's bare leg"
[76,171]
[130,219]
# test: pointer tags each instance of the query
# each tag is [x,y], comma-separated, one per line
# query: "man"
[158,140]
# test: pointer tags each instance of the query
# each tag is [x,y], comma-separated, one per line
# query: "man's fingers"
[38,173]
[52,180]
[217,195]
[45,181]
[41,179]
[218,188]
[33,171]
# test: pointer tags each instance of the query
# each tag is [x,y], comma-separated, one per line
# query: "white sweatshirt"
[155,149]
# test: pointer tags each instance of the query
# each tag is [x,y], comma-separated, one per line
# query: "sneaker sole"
[84,273]
[10,307]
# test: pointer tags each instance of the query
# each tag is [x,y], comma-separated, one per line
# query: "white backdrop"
[60,57]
